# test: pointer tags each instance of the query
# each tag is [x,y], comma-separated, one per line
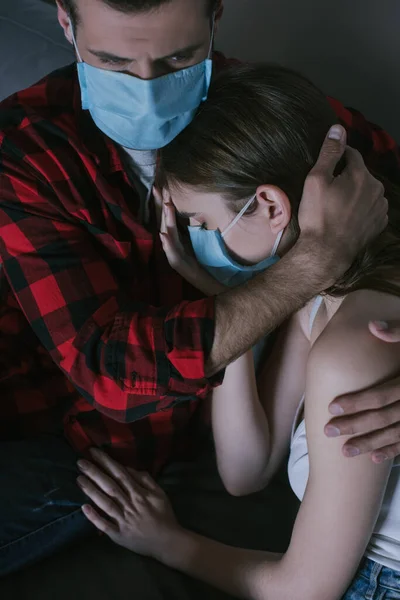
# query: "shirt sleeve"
[126,358]
[379,150]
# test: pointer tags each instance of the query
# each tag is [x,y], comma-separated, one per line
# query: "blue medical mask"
[143,114]
[213,255]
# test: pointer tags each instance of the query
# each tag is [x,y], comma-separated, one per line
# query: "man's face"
[147,45]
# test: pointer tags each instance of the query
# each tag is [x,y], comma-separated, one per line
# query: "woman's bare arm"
[252,421]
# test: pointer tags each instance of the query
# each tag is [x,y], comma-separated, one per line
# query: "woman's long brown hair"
[266,124]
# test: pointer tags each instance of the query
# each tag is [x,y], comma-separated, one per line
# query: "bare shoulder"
[346,357]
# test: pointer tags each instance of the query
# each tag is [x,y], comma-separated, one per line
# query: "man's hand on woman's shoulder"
[373,415]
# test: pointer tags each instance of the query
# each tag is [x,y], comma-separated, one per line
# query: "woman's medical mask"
[213,255]
[143,114]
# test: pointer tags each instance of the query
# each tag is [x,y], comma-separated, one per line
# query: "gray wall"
[350,48]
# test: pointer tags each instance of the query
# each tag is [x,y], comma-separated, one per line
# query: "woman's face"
[253,237]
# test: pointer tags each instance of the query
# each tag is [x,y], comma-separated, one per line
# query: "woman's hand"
[181,257]
[135,511]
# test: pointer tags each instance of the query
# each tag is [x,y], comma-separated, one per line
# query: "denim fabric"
[374,582]
[39,501]
[40,513]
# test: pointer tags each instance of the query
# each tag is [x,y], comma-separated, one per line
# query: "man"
[101,341]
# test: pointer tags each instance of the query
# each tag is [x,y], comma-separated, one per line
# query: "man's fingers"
[371,399]
[100,499]
[372,442]
[331,152]
[375,199]
[99,522]
[388,331]
[364,422]
[386,453]
[354,161]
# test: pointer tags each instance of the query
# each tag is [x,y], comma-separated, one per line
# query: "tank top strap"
[314,311]
[316,305]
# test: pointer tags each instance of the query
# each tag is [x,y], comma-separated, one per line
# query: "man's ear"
[64,20]
[219,11]
[275,205]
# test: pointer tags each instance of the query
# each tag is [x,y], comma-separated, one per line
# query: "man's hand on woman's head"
[372,416]
[340,215]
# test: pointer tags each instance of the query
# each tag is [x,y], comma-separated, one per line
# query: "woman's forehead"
[190,200]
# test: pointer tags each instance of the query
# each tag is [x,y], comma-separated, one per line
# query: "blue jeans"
[374,582]
[39,501]
[40,511]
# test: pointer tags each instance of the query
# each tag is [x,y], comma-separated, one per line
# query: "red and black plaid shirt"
[99,337]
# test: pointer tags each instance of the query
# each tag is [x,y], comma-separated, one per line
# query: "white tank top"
[384,545]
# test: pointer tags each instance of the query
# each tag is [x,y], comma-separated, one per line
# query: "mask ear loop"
[239,216]
[210,50]
[277,242]
[74,40]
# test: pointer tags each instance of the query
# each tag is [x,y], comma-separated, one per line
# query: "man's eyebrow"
[109,56]
[187,50]
[122,59]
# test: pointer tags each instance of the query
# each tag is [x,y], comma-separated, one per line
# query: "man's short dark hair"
[128,6]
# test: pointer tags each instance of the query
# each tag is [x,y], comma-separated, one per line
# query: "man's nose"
[149,70]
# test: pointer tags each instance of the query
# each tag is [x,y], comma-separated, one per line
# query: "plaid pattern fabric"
[379,150]
[99,338]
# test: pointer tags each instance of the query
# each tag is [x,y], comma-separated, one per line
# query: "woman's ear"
[275,206]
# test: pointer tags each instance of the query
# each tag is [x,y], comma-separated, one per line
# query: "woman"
[237,173]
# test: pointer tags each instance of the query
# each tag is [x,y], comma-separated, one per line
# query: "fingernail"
[335,133]
[83,464]
[336,409]
[351,451]
[381,325]
[332,431]
[380,457]
[81,481]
